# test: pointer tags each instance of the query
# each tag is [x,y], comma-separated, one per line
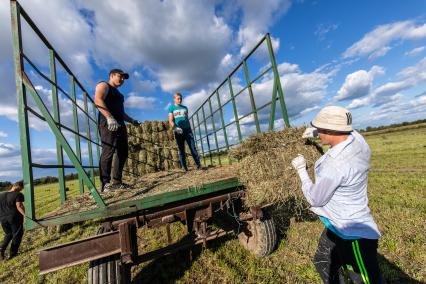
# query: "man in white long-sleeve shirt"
[339,198]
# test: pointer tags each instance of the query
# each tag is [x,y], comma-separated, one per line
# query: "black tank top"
[114,101]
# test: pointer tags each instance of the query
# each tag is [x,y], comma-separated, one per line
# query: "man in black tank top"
[110,103]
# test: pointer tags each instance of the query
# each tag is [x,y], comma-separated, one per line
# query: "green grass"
[397,194]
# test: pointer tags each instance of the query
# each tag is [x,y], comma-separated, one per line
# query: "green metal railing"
[24,86]
[236,119]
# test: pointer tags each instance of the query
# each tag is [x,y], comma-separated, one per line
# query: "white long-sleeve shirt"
[340,189]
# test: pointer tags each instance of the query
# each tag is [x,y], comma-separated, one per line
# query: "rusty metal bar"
[80,251]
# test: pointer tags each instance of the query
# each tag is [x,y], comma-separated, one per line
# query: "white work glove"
[112,123]
[178,130]
[299,163]
[310,132]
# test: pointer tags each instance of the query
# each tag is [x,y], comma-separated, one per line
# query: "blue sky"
[368,56]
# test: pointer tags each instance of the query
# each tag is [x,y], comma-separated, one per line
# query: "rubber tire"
[260,237]
[108,270]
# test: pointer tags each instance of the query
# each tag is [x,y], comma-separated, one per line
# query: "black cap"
[119,71]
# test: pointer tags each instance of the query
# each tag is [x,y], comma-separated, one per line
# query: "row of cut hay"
[265,169]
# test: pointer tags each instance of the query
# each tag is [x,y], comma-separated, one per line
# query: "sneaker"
[119,186]
[107,187]
[199,167]
[11,256]
[2,254]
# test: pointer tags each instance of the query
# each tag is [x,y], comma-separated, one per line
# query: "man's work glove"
[135,122]
[310,132]
[177,130]
[112,123]
[299,163]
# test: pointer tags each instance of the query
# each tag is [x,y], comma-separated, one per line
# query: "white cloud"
[377,42]
[3,134]
[409,77]
[358,84]
[8,150]
[183,42]
[257,17]
[415,51]
[139,102]
[323,29]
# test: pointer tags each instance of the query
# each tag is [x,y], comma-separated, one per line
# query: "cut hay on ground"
[149,185]
[265,169]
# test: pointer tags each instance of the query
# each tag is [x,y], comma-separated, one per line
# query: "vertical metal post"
[253,104]
[96,132]
[56,116]
[273,105]
[214,131]
[237,122]
[207,134]
[89,138]
[278,81]
[22,115]
[223,123]
[194,131]
[76,128]
[201,139]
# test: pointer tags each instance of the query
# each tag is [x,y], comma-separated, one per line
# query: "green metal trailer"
[244,103]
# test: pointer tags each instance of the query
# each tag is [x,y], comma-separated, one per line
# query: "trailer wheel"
[259,237]
[108,270]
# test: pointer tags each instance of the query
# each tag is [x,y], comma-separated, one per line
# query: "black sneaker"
[199,167]
[119,186]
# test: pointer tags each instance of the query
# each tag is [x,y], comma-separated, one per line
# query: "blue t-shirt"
[180,114]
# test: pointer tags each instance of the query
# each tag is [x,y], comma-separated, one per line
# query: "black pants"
[337,258]
[112,141]
[13,231]
[187,137]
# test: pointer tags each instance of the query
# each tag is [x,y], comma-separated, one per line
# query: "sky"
[367,56]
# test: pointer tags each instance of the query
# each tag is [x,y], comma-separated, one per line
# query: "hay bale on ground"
[265,166]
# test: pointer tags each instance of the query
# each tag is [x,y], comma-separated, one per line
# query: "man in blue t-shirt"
[179,122]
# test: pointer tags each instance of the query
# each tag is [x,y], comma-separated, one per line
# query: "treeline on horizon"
[381,127]
[6,185]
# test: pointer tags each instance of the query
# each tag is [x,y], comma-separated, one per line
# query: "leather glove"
[135,122]
[178,130]
[112,123]
[299,163]
[310,132]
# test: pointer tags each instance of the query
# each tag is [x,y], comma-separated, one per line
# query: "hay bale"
[265,169]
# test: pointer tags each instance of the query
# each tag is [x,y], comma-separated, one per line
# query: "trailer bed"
[150,190]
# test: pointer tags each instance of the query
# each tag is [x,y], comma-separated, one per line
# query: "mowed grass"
[397,194]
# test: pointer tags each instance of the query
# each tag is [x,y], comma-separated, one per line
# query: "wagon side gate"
[24,86]
[209,123]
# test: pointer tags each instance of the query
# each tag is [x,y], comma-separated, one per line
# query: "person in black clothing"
[110,103]
[12,213]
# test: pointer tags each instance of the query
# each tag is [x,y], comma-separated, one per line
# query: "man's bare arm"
[20,207]
[100,95]
[171,120]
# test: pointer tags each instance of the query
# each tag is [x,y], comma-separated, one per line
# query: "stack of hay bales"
[152,148]
[265,169]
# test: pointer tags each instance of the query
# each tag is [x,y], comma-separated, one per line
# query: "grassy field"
[397,193]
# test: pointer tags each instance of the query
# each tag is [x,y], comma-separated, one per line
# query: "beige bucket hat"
[334,118]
